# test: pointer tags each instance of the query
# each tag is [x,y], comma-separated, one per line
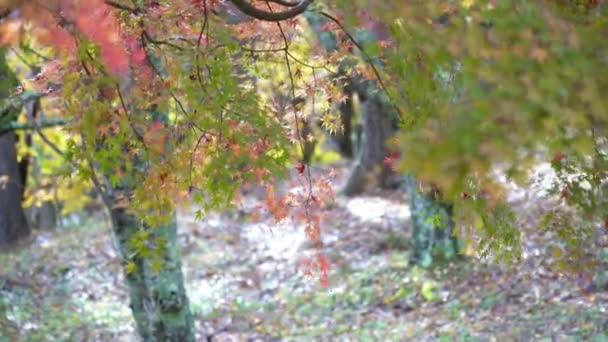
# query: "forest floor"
[246,282]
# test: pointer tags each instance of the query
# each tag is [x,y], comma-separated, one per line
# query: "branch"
[152,40]
[43,136]
[15,103]
[283,3]
[120,6]
[259,14]
[14,125]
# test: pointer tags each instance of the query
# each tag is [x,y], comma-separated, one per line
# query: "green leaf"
[428,291]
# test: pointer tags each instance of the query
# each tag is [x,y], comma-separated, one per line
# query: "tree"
[378,118]
[127,142]
[524,89]
[433,223]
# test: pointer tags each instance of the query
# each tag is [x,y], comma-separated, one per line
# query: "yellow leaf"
[409,330]
[556,252]
[130,267]
[467,3]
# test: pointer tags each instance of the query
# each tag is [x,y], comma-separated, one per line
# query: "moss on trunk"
[433,235]
[158,297]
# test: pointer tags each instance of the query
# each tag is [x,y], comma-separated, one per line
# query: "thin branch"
[131,124]
[104,195]
[152,40]
[259,14]
[198,142]
[171,93]
[44,137]
[250,50]
[356,43]
[295,114]
[313,67]
[204,27]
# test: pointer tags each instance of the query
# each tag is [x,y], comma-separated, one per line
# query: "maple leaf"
[391,159]
[103,130]
[300,167]
[298,73]
[323,265]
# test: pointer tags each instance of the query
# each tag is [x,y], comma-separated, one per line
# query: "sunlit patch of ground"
[375,209]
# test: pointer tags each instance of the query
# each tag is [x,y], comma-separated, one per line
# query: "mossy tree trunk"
[433,234]
[158,297]
[174,322]
[125,226]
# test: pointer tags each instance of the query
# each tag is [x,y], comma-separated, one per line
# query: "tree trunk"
[45,216]
[13,223]
[377,120]
[376,127]
[158,296]
[309,143]
[158,300]
[343,140]
[433,234]
[125,226]
[175,319]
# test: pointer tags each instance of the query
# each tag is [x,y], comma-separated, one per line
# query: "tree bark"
[376,127]
[342,140]
[47,215]
[125,226]
[174,321]
[13,223]
[44,216]
[159,302]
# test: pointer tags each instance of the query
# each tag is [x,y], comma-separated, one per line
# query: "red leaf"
[558,157]
[300,167]
[156,124]
[391,159]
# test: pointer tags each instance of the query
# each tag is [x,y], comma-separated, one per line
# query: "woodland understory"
[246,282]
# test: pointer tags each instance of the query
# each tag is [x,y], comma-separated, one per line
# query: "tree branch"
[14,125]
[120,6]
[283,3]
[259,14]
[15,103]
